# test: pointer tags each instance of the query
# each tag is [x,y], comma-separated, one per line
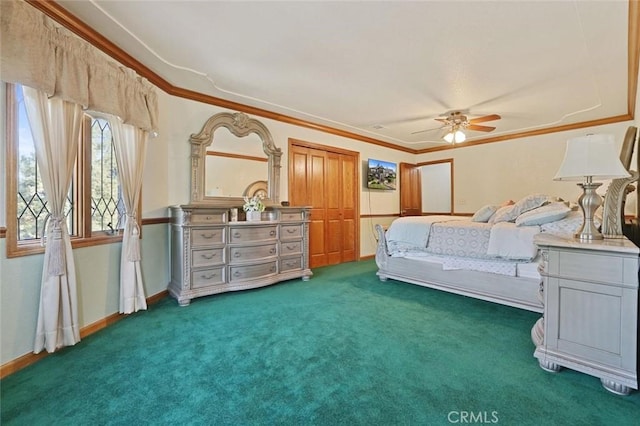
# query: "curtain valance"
[38,53]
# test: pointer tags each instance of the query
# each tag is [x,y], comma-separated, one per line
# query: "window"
[94,205]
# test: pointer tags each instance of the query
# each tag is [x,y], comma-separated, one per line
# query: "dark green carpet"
[343,348]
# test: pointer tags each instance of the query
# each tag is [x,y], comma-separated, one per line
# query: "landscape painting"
[381,174]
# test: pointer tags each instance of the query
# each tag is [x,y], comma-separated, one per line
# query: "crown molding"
[59,14]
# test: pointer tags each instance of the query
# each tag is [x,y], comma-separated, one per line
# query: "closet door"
[306,188]
[327,181]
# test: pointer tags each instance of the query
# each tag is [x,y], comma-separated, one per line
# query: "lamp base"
[589,202]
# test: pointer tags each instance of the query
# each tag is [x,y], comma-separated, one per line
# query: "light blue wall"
[97,270]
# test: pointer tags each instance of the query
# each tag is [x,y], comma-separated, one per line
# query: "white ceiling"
[361,65]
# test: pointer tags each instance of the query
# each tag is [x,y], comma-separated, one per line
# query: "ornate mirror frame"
[240,125]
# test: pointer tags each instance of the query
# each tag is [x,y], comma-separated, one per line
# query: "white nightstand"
[590,323]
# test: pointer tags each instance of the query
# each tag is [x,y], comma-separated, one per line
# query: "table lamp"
[587,158]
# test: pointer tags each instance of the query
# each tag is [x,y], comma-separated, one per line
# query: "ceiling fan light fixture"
[459,136]
[449,137]
[455,136]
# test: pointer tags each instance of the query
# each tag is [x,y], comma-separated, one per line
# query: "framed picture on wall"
[381,174]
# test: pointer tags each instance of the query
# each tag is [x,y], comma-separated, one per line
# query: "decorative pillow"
[527,203]
[568,226]
[502,215]
[531,202]
[485,213]
[545,214]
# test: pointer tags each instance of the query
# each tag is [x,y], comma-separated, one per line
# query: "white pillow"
[545,214]
[485,213]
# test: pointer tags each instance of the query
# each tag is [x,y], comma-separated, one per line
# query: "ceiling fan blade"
[485,118]
[480,128]
[443,120]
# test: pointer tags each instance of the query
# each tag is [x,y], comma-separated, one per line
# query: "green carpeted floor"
[341,349]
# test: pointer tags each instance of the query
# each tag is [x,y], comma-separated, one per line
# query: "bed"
[489,256]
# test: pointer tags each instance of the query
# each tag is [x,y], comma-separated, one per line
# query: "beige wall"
[482,174]
[496,172]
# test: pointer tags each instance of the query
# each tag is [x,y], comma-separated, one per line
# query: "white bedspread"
[509,241]
[420,235]
[414,230]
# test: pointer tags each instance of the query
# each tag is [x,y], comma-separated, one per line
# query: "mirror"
[226,156]
[233,156]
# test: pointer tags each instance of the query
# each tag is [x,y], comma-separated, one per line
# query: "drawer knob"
[291,247]
[237,254]
[208,277]
[237,235]
[209,217]
[272,269]
[237,274]
[272,233]
[272,251]
[208,236]
[291,231]
[209,256]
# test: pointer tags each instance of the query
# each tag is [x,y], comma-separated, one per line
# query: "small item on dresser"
[233,215]
[285,204]
[254,216]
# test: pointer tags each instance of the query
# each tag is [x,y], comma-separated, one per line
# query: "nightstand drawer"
[245,234]
[206,236]
[207,257]
[590,267]
[207,277]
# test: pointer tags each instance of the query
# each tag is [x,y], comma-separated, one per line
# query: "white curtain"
[55,125]
[131,146]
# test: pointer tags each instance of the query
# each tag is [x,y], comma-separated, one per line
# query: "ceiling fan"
[455,122]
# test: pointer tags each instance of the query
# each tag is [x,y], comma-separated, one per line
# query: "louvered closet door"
[327,182]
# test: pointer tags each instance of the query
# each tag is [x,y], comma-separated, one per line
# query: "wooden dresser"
[590,323]
[210,254]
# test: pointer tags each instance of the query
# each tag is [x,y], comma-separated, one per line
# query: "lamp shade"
[591,156]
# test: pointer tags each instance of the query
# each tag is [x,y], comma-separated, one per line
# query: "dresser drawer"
[207,277]
[250,272]
[246,234]
[290,231]
[244,254]
[291,216]
[207,217]
[207,257]
[290,264]
[206,236]
[290,247]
